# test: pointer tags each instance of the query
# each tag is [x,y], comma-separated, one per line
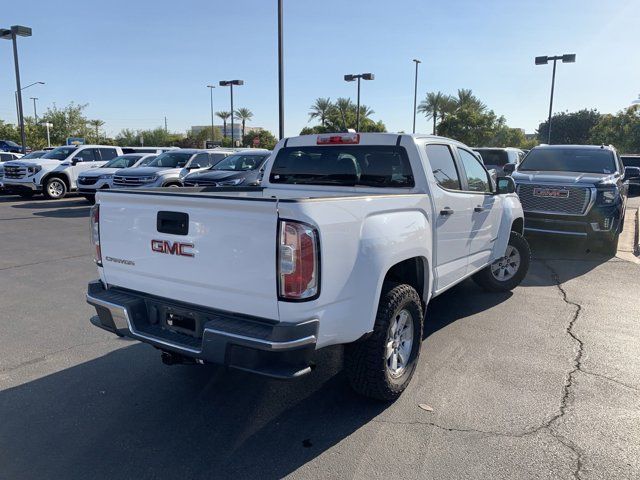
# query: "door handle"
[478,209]
[446,211]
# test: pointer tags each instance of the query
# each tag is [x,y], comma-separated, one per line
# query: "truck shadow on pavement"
[125,415]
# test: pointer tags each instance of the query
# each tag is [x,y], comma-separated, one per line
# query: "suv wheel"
[381,366]
[507,272]
[54,188]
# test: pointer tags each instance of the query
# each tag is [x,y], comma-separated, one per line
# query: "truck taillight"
[338,139]
[298,261]
[95,233]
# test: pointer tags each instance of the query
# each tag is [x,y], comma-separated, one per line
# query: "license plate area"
[180,320]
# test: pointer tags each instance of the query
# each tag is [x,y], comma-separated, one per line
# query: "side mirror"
[509,168]
[631,172]
[193,166]
[75,160]
[505,185]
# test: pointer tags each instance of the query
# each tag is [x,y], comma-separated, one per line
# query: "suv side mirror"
[505,185]
[194,165]
[509,168]
[631,172]
[75,160]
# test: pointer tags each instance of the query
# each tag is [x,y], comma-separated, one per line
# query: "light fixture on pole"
[415,94]
[12,34]
[15,94]
[213,136]
[351,78]
[231,83]
[543,60]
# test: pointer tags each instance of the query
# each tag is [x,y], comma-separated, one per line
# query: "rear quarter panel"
[361,238]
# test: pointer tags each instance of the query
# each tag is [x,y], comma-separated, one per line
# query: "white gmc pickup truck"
[346,242]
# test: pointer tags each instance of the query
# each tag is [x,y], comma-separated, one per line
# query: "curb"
[628,246]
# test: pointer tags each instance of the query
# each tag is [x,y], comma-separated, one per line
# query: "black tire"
[54,188]
[90,198]
[26,195]
[173,185]
[486,279]
[366,360]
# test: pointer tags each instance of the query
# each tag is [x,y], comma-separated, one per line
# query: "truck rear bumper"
[262,346]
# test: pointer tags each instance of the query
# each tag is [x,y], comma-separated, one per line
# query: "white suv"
[56,172]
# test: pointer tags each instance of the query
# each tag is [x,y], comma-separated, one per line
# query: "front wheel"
[54,189]
[381,366]
[507,272]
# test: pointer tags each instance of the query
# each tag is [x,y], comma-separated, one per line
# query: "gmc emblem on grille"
[172,248]
[551,192]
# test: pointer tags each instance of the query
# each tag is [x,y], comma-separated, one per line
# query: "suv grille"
[201,182]
[87,180]
[123,181]
[14,171]
[568,200]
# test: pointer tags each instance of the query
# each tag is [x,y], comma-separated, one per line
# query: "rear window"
[494,157]
[630,161]
[581,160]
[371,166]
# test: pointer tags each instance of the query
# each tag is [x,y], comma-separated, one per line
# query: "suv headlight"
[149,179]
[34,169]
[608,196]
[236,181]
[106,177]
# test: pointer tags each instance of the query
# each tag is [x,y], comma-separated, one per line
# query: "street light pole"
[48,125]
[231,83]
[351,78]
[213,135]
[415,95]
[566,58]
[280,75]
[12,34]
[35,110]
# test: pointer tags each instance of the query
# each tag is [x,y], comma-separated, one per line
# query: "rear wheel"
[381,366]
[54,188]
[507,272]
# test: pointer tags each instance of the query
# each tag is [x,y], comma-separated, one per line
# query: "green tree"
[245,115]
[68,121]
[433,106]
[321,110]
[570,128]
[621,130]
[224,116]
[471,126]
[265,139]
[96,124]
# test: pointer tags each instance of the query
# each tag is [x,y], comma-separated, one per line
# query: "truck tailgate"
[233,240]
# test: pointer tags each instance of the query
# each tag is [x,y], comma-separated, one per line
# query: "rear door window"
[86,155]
[108,153]
[477,176]
[443,166]
[371,166]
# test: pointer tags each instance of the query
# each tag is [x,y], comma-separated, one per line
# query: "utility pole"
[35,110]
[566,58]
[280,75]
[166,130]
[415,95]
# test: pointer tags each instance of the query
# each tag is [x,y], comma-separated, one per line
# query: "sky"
[135,62]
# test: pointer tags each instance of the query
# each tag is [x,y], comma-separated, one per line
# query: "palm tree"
[432,106]
[466,99]
[321,109]
[245,115]
[224,116]
[365,112]
[343,106]
[96,124]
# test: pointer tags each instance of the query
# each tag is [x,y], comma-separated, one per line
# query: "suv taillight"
[95,233]
[298,261]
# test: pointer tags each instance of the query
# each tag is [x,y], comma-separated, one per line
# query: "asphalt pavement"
[543,382]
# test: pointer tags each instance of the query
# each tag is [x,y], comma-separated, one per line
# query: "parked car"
[99,178]
[346,242]
[242,168]
[497,158]
[7,157]
[574,190]
[632,161]
[33,154]
[56,172]
[10,146]
[169,168]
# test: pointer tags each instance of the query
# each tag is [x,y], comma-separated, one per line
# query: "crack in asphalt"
[611,379]
[564,401]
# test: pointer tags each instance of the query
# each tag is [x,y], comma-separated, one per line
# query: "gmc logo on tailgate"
[172,248]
